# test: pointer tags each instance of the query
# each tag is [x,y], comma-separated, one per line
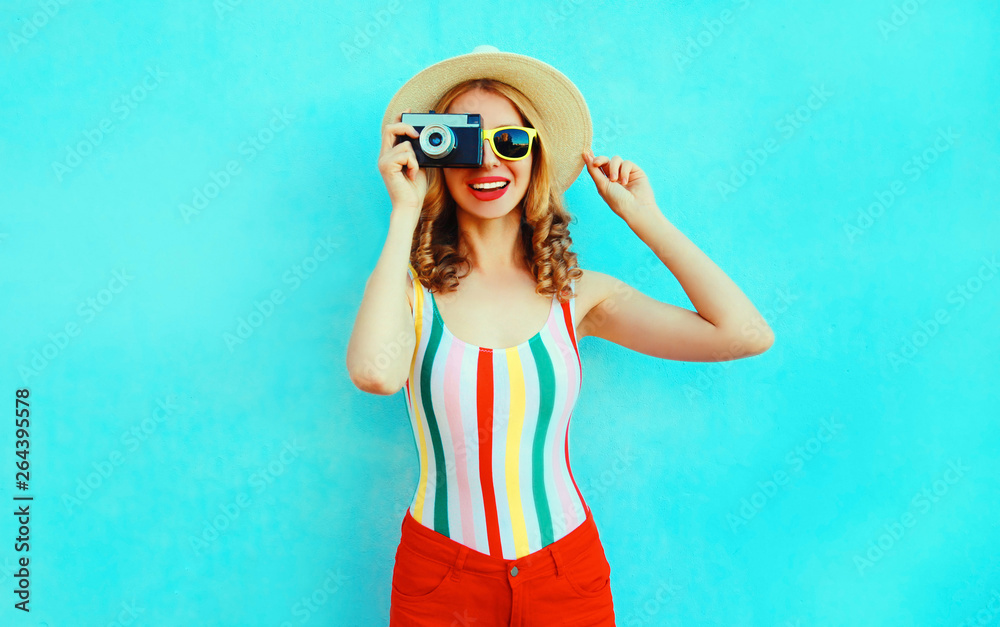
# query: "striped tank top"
[491,427]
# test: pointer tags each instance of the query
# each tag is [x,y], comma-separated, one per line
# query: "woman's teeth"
[488,186]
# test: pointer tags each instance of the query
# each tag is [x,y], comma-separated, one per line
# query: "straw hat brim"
[559,102]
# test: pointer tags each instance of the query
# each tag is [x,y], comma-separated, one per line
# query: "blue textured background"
[180,479]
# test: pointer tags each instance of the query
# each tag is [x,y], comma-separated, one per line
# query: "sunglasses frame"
[488,135]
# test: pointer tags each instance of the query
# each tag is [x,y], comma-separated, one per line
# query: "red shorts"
[439,582]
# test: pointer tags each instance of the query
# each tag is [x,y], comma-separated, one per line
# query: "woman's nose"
[489,157]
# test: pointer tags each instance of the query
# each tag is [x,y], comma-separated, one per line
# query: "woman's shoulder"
[591,289]
[592,283]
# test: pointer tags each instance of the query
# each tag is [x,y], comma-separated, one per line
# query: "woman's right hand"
[406,190]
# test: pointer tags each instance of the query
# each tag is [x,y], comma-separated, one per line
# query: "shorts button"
[513,571]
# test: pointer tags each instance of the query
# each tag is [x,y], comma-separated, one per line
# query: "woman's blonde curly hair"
[544,220]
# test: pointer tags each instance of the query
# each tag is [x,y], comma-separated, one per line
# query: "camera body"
[447,140]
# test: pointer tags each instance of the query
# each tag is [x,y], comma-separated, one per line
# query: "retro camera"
[447,140]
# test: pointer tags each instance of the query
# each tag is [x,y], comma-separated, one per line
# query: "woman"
[497,532]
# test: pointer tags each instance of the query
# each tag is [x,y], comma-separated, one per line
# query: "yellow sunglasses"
[512,143]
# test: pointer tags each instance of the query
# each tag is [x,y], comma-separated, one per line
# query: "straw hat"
[557,99]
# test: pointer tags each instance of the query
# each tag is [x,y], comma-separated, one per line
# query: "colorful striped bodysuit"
[491,427]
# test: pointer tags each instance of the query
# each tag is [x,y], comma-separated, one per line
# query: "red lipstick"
[490,194]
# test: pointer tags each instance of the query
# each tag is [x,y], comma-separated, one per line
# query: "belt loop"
[456,572]
[557,558]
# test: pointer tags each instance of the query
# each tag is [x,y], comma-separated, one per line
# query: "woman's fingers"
[594,166]
[403,155]
[392,131]
[598,162]
[396,128]
[411,164]
[617,168]
[400,155]
[626,170]
[614,168]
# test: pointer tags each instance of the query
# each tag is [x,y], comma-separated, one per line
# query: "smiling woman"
[523,198]
[497,524]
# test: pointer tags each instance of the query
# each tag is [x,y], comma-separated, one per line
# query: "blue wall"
[191,207]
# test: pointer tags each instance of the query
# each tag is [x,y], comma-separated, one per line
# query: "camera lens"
[437,140]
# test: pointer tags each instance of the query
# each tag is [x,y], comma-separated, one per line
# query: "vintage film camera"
[447,140]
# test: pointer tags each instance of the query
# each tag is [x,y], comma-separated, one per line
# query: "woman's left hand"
[625,187]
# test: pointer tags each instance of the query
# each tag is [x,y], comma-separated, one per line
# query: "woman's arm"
[726,326]
[381,346]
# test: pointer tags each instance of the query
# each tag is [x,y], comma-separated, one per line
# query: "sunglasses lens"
[512,143]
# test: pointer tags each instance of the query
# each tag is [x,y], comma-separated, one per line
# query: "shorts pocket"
[590,575]
[416,576]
